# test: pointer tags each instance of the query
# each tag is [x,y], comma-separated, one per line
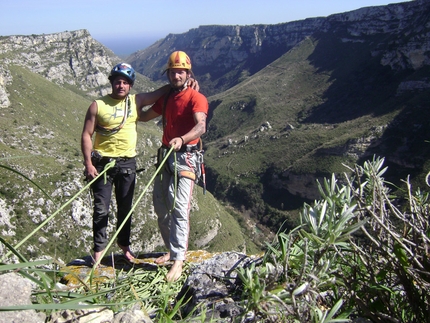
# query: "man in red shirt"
[184,111]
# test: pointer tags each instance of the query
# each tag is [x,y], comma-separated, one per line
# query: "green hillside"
[350,86]
[321,105]
[40,138]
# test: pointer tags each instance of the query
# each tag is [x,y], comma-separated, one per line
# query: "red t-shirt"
[179,112]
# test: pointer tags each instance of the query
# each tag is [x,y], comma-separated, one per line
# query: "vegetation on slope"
[322,104]
[357,252]
[40,134]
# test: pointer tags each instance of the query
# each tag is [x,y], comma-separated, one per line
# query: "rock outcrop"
[212,285]
[16,291]
[69,58]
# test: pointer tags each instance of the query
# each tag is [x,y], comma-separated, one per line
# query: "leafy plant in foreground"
[298,273]
[357,250]
[389,273]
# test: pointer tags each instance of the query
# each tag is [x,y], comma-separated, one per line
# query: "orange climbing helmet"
[179,59]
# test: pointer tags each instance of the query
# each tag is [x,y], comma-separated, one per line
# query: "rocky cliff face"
[73,58]
[376,59]
[223,55]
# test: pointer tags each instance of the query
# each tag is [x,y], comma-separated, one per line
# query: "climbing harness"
[111,131]
[187,174]
[199,175]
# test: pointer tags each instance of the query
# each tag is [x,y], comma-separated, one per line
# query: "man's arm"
[147,115]
[144,99]
[196,132]
[86,140]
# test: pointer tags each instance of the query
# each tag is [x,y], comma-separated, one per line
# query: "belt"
[118,159]
[185,148]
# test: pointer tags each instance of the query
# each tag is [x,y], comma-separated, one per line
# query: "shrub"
[355,251]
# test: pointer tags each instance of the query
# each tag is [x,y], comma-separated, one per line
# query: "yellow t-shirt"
[110,115]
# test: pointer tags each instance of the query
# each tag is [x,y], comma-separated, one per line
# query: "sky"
[128,26]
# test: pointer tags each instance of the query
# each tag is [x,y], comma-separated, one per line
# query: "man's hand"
[176,143]
[192,83]
[91,172]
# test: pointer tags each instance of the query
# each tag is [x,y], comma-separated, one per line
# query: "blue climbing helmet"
[123,69]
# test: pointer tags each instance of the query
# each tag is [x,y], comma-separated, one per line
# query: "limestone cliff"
[222,56]
[71,59]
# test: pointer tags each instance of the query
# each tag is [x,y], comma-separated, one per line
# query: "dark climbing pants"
[123,178]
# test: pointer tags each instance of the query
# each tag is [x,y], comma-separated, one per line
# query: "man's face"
[120,87]
[177,77]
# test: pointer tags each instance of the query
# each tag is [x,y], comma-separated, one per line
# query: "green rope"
[175,190]
[107,166]
[90,275]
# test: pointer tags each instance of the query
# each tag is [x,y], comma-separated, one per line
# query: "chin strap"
[183,87]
